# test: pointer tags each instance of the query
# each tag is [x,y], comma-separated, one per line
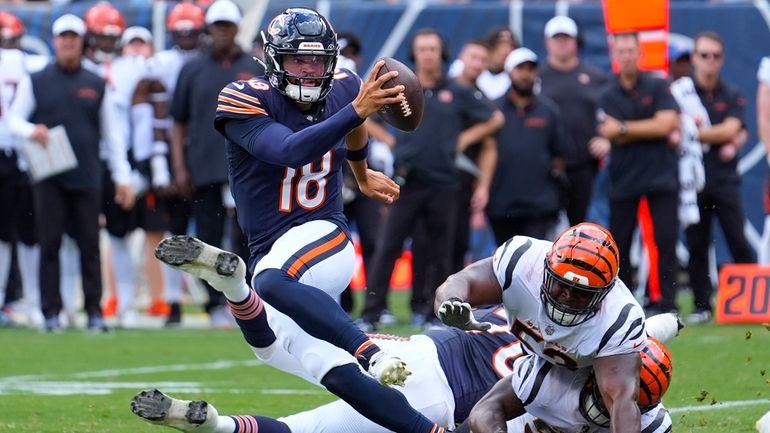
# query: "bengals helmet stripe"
[655,375]
[104,19]
[10,26]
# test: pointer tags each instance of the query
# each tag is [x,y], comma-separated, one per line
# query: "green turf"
[718,360]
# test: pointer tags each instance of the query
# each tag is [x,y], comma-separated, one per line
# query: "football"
[407,115]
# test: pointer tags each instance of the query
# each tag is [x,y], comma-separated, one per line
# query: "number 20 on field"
[744,294]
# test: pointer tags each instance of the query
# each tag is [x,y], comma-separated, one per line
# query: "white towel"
[692,176]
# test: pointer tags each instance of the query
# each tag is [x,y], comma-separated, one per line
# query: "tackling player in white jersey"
[571,313]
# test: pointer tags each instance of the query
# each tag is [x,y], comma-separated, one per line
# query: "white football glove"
[458,314]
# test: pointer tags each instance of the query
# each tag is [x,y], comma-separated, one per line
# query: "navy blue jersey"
[285,165]
[474,361]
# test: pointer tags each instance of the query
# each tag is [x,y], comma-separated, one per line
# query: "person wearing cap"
[527,188]
[494,82]
[453,118]
[185,24]
[679,60]
[638,115]
[199,165]
[574,86]
[722,136]
[66,94]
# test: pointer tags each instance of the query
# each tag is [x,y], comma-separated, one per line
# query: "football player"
[453,369]
[569,309]
[288,135]
[185,24]
[15,189]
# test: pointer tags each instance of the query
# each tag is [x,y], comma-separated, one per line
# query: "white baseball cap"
[136,32]
[561,25]
[519,56]
[68,23]
[223,10]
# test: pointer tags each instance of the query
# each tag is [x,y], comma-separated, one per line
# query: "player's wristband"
[358,155]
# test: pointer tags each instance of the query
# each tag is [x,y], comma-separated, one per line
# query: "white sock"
[29,267]
[123,264]
[5,268]
[69,266]
[236,292]
[225,424]
[662,326]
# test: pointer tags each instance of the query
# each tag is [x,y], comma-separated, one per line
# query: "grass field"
[78,382]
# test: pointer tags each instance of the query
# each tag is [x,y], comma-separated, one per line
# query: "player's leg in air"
[280,341]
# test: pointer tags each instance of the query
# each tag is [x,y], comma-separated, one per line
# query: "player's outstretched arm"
[496,407]
[475,285]
[372,96]
[618,380]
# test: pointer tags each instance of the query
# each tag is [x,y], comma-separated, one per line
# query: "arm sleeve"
[664,100]
[113,128]
[274,143]
[558,145]
[474,105]
[180,104]
[737,106]
[21,109]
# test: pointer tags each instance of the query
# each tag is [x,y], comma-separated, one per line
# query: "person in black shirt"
[721,195]
[197,150]
[574,86]
[638,114]
[528,184]
[425,164]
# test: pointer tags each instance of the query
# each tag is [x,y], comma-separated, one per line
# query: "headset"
[429,31]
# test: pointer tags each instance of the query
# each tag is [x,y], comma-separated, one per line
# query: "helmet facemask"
[300,34]
[566,315]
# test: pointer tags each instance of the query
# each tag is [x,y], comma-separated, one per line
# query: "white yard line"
[720,405]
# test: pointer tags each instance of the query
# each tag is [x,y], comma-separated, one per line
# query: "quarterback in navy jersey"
[275,186]
[287,136]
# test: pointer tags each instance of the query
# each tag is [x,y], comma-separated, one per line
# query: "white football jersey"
[14,65]
[170,62]
[656,420]
[617,328]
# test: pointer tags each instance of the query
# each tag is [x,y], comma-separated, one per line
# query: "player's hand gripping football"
[379,187]
[458,314]
[372,96]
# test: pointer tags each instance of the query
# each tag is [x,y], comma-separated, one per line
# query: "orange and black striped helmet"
[104,19]
[10,26]
[654,378]
[655,375]
[185,17]
[580,270]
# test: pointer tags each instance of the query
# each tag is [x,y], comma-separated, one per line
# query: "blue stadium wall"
[745,28]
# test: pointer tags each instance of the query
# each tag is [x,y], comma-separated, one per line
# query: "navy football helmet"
[300,32]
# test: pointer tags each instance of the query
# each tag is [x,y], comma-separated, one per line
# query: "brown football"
[407,115]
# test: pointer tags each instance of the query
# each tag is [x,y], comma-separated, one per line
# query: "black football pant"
[210,214]
[78,211]
[581,186]
[365,213]
[429,205]
[538,227]
[726,205]
[664,209]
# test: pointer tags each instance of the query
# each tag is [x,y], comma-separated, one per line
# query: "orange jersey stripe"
[235,102]
[308,256]
[241,95]
[241,110]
